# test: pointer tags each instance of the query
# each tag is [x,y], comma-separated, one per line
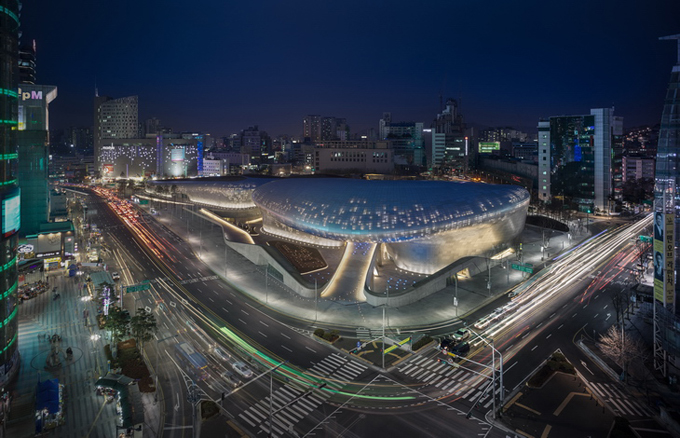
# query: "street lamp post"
[158,353]
[501,395]
[455,297]
[316,301]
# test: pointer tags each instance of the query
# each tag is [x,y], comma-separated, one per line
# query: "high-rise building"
[9,189]
[32,139]
[406,139]
[579,157]
[666,218]
[27,63]
[311,128]
[449,124]
[114,119]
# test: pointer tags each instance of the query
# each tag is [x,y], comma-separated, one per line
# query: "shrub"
[420,343]
[319,332]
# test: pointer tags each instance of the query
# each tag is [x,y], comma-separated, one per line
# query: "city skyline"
[220,68]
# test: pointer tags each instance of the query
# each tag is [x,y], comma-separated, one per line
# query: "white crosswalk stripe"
[295,401]
[622,403]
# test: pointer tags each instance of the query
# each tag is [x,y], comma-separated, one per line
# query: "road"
[184,288]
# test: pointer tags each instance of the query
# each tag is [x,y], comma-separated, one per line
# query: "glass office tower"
[9,189]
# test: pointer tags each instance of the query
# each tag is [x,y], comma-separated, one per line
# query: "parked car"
[230,378]
[242,369]
[461,335]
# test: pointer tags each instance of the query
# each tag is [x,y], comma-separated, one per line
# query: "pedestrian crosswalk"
[449,378]
[620,402]
[293,402]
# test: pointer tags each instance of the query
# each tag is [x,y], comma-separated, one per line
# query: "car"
[461,349]
[513,294]
[242,369]
[221,353]
[445,344]
[231,379]
[115,276]
[461,335]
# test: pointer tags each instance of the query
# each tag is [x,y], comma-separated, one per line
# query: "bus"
[192,361]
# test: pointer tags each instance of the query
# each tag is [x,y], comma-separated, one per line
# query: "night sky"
[221,66]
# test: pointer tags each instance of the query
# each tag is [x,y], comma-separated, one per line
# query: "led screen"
[11,214]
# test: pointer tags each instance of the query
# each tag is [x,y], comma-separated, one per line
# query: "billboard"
[108,169]
[11,213]
[664,257]
[488,147]
[177,154]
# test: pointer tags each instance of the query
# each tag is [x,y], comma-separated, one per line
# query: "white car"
[243,370]
[221,353]
[115,276]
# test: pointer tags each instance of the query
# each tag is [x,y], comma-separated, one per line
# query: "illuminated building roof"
[384,211]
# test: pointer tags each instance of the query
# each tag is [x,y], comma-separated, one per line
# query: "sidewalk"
[85,413]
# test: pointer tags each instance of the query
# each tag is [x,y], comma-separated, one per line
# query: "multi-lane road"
[432,398]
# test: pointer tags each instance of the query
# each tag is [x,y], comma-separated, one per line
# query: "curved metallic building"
[425,225]
[228,192]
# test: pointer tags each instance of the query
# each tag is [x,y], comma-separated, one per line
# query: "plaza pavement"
[86,414]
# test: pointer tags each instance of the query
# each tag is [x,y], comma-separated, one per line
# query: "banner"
[669,258]
[664,257]
[659,264]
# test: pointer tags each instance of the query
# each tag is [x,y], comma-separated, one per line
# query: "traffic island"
[559,407]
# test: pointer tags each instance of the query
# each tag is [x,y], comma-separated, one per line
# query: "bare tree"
[620,348]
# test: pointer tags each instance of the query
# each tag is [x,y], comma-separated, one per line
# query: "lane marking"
[262,334]
[242,321]
[245,312]
[535,347]
[289,350]
[285,336]
[263,323]
[548,337]
[574,315]
[561,325]
[310,349]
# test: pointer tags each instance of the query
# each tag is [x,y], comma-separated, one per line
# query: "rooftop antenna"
[677,38]
[96,90]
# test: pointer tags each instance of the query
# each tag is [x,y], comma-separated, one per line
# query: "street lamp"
[501,395]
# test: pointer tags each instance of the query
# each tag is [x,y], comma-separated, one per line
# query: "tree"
[117,323]
[620,348]
[143,326]
[132,185]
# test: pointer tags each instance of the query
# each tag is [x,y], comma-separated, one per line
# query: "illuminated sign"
[108,168]
[488,147]
[30,95]
[11,214]
[53,260]
[25,249]
[177,154]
